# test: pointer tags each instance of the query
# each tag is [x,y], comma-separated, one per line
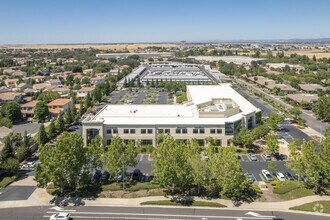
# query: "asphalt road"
[162,98]
[30,128]
[144,164]
[151,213]
[13,193]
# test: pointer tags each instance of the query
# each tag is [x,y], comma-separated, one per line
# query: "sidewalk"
[41,198]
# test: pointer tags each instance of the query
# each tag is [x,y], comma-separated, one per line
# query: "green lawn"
[5,181]
[318,206]
[288,190]
[131,188]
[194,203]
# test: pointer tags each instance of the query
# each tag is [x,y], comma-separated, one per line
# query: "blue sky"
[109,21]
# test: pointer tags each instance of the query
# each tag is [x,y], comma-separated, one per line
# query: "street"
[151,213]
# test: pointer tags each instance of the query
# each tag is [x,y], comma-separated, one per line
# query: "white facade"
[211,111]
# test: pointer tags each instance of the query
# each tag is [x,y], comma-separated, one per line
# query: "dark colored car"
[137,175]
[105,176]
[288,175]
[69,129]
[96,175]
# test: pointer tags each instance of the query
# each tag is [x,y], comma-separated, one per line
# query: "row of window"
[196,130]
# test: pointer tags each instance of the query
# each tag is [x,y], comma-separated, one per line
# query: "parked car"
[60,216]
[69,129]
[267,157]
[280,176]
[136,175]
[289,175]
[251,177]
[253,157]
[30,165]
[105,176]
[266,175]
[96,175]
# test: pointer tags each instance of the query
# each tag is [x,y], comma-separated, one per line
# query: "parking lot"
[255,167]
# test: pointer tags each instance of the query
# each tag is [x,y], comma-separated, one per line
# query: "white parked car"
[266,175]
[280,176]
[30,165]
[60,216]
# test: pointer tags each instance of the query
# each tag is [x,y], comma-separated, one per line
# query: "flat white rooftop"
[185,114]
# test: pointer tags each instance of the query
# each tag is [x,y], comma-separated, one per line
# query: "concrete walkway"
[41,198]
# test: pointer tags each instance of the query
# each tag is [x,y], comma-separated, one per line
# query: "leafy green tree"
[64,172]
[274,120]
[295,111]
[88,101]
[171,166]
[7,150]
[200,169]
[12,111]
[272,166]
[22,152]
[41,111]
[51,132]
[272,144]
[95,152]
[42,135]
[120,155]
[321,107]
[6,122]
[260,131]
[11,165]
[60,123]
[244,138]
[68,117]
[48,96]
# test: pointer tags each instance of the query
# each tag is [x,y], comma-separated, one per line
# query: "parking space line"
[262,158]
[242,159]
[248,158]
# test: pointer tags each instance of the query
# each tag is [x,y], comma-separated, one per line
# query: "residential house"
[287,89]
[19,73]
[97,80]
[39,79]
[11,97]
[59,105]
[11,83]
[55,82]
[40,86]
[23,86]
[312,88]
[63,91]
[28,108]
[298,98]
[81,93]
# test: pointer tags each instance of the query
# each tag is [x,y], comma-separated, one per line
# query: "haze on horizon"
[101,21]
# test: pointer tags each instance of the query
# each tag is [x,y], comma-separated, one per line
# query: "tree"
[120,156]
[95,153]
[244,138]
[260,131]
[41,111]
[64,172]
[48,96]
[272,166]
[68,117]
[295,111]
[6,122]
[321,107]
[7,150]
[272,144]
[11,165]
[42,135]
[274,120]
[171,166]
[12,111]
[88,101]
[60,124]
[51,132]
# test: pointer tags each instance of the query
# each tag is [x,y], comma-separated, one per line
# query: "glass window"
[132,131]
[167,131]
[195,130]
[146,142]
[201,130]
[115,130]
[218,142]
[212,131]
[184,131]
[178,131]
[108,141]
[160,131]
[126,131]
[229,128]
[149,131]
[109,131]
[91,134]
[200,142]
[143,131]
[219,131]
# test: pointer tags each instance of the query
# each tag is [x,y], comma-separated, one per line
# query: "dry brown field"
[118,47]
[318,53]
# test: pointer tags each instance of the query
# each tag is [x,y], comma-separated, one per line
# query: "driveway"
[30,128]
[19,190]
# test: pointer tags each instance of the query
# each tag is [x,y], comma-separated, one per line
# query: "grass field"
[318,206]
[289,190]
[194,203]
[131,188]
